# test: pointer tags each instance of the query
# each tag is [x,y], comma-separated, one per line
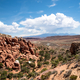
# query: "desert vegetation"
[44,62]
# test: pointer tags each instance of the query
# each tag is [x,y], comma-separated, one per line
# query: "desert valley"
[50,58]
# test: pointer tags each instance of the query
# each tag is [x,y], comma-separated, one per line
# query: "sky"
[34,17]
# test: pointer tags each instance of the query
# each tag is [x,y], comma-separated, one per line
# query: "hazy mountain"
[51,34]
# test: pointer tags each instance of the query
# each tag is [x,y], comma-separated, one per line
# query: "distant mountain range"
[51,34]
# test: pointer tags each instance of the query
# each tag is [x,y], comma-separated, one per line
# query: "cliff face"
[12,48]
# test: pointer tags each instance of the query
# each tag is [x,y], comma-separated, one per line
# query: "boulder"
[16,65]
[15,40]
[74,47]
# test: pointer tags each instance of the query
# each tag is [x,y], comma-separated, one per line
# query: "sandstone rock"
[1,52]
[1,47]
[32,51]
[10,57]
[16,65]
[4,54]
[15,54]
[9,63]
[15,40]
[8,40]
[37,54]
[74,47]
[2,58]
[10,49]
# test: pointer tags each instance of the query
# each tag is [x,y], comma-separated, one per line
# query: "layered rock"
[11,49]
[74,47]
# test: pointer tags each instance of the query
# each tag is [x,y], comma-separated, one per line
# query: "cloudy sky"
[35,17]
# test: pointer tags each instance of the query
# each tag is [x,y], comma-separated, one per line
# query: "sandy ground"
[60,68]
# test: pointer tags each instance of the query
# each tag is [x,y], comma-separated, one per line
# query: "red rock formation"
[16,65]
[10,49]
[74,47]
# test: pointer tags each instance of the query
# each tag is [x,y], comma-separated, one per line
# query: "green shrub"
[53,58]
[76,56]
[33,60]
[41,58]
[45,76]
[55,63]
[41,53]
[32,65]
[1,65]
[44,69]
[73,77]
[20,61]
[46,62]
[60,57]
[4,75]
[25,64]
[32,74]
[65,59]
[51,51]
[47,56]
[67,51]
[10,69]
[39,64]
[20,74]
[10,75]
[15,76]
[25,69]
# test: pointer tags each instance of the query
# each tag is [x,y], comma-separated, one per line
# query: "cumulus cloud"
[51,23]
[45,24]
[4,28]
[52,5]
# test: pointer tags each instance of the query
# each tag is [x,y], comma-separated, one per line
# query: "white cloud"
[15,24]
[45,24]
[4,28]
[52,5]
[51,23]
[40,11]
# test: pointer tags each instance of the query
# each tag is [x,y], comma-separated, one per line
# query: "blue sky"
[35,17]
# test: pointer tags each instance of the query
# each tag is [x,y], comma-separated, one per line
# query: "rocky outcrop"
[12,48]
[16,65]
[74,47]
